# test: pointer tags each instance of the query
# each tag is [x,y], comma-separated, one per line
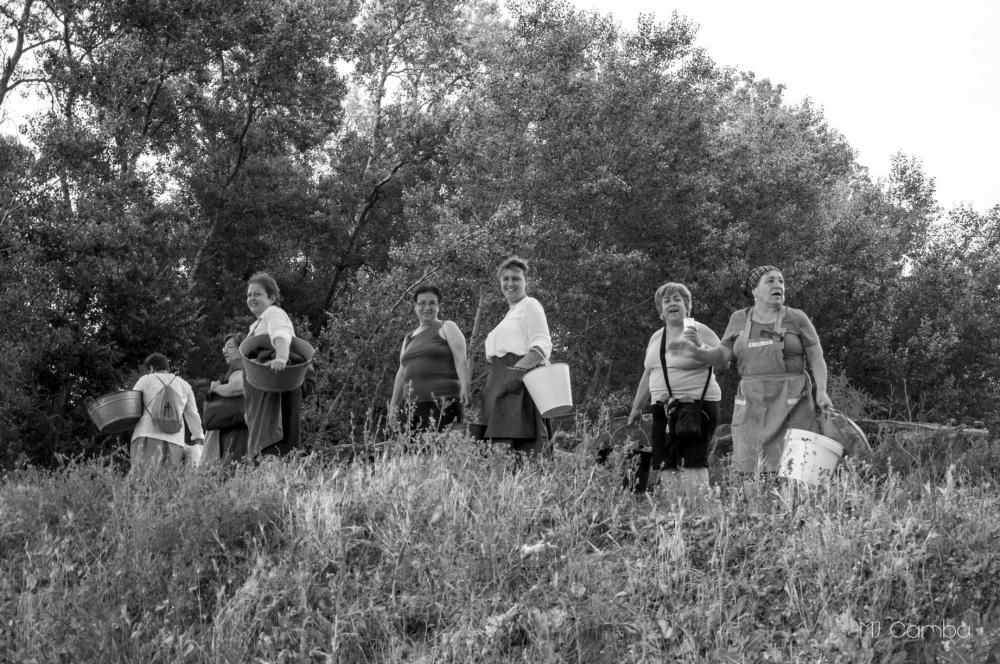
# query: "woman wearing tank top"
[432,382]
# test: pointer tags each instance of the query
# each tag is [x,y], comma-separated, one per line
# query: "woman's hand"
[214,387]
[691,334]
[392,421]
[464,396]
[823,401]
[634,415]
[278,364]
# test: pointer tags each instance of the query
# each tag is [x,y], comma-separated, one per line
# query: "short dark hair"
[237,338]
[157,362]
[514,262]
[268,283]
[427,288]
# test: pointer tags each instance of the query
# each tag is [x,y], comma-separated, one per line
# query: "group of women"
[432,385]
[775,348]
[432,382]
[271,420]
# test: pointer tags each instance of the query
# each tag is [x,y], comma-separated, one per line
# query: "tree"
[25,26]
[411,58]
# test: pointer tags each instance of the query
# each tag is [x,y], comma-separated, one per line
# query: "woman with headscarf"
[775,347]
[519,343]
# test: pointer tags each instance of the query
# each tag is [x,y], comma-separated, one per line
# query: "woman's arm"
[817,365]
[280,330]
[718,356]
[535,327]
[397,393]
[281,349]
[456,342]
[532,359]
[641,396]
[397,385]
[231,388]
[191,416]
[711,339]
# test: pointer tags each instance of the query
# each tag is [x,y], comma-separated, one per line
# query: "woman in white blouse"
[272,417]
[519,343]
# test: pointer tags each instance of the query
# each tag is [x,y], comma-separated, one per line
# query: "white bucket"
[194,454]
[549,388]
[809,457]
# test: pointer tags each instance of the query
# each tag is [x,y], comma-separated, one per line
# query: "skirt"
[273,420]
[511,414]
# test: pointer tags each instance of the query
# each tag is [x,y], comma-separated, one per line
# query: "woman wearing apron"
[273,418]
[774,346]
[519,343]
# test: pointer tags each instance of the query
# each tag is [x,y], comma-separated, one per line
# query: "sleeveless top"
[429,367]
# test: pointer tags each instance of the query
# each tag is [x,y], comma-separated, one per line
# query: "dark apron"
[511,415]
[273,420]
[769,401]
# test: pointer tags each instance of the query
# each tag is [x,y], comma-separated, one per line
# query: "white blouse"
[150,385]
[275,323]
[522,328]
[687,376]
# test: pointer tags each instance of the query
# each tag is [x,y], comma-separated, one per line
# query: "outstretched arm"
[641,397]
[717,356]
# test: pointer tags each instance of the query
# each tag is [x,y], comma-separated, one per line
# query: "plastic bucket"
[195,454]
[262,377]
[550,389]
[809,457]
[117,412]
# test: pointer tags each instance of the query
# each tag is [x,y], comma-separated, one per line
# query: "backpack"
[167,409]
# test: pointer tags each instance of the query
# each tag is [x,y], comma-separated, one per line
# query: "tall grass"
[460,555]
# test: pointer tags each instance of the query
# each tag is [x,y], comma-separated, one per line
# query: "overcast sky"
[917,77]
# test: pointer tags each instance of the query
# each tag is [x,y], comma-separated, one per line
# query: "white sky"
[918,77]
[913,76]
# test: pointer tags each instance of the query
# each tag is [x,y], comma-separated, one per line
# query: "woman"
[152,446]
[773,345]
[687,379]
[520,342]
[272,417]
[433,367]
[228,442]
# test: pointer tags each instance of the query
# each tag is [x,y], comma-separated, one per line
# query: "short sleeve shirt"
[799,335]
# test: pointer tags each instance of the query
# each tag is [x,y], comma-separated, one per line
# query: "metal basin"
[263,378]
[116,412]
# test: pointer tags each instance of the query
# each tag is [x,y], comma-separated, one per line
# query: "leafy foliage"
[353,149]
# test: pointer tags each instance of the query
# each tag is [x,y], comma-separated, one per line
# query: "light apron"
[769,401]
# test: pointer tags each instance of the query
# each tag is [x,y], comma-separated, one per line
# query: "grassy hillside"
[453,557]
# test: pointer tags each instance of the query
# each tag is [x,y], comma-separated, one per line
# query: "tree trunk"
[476,324]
